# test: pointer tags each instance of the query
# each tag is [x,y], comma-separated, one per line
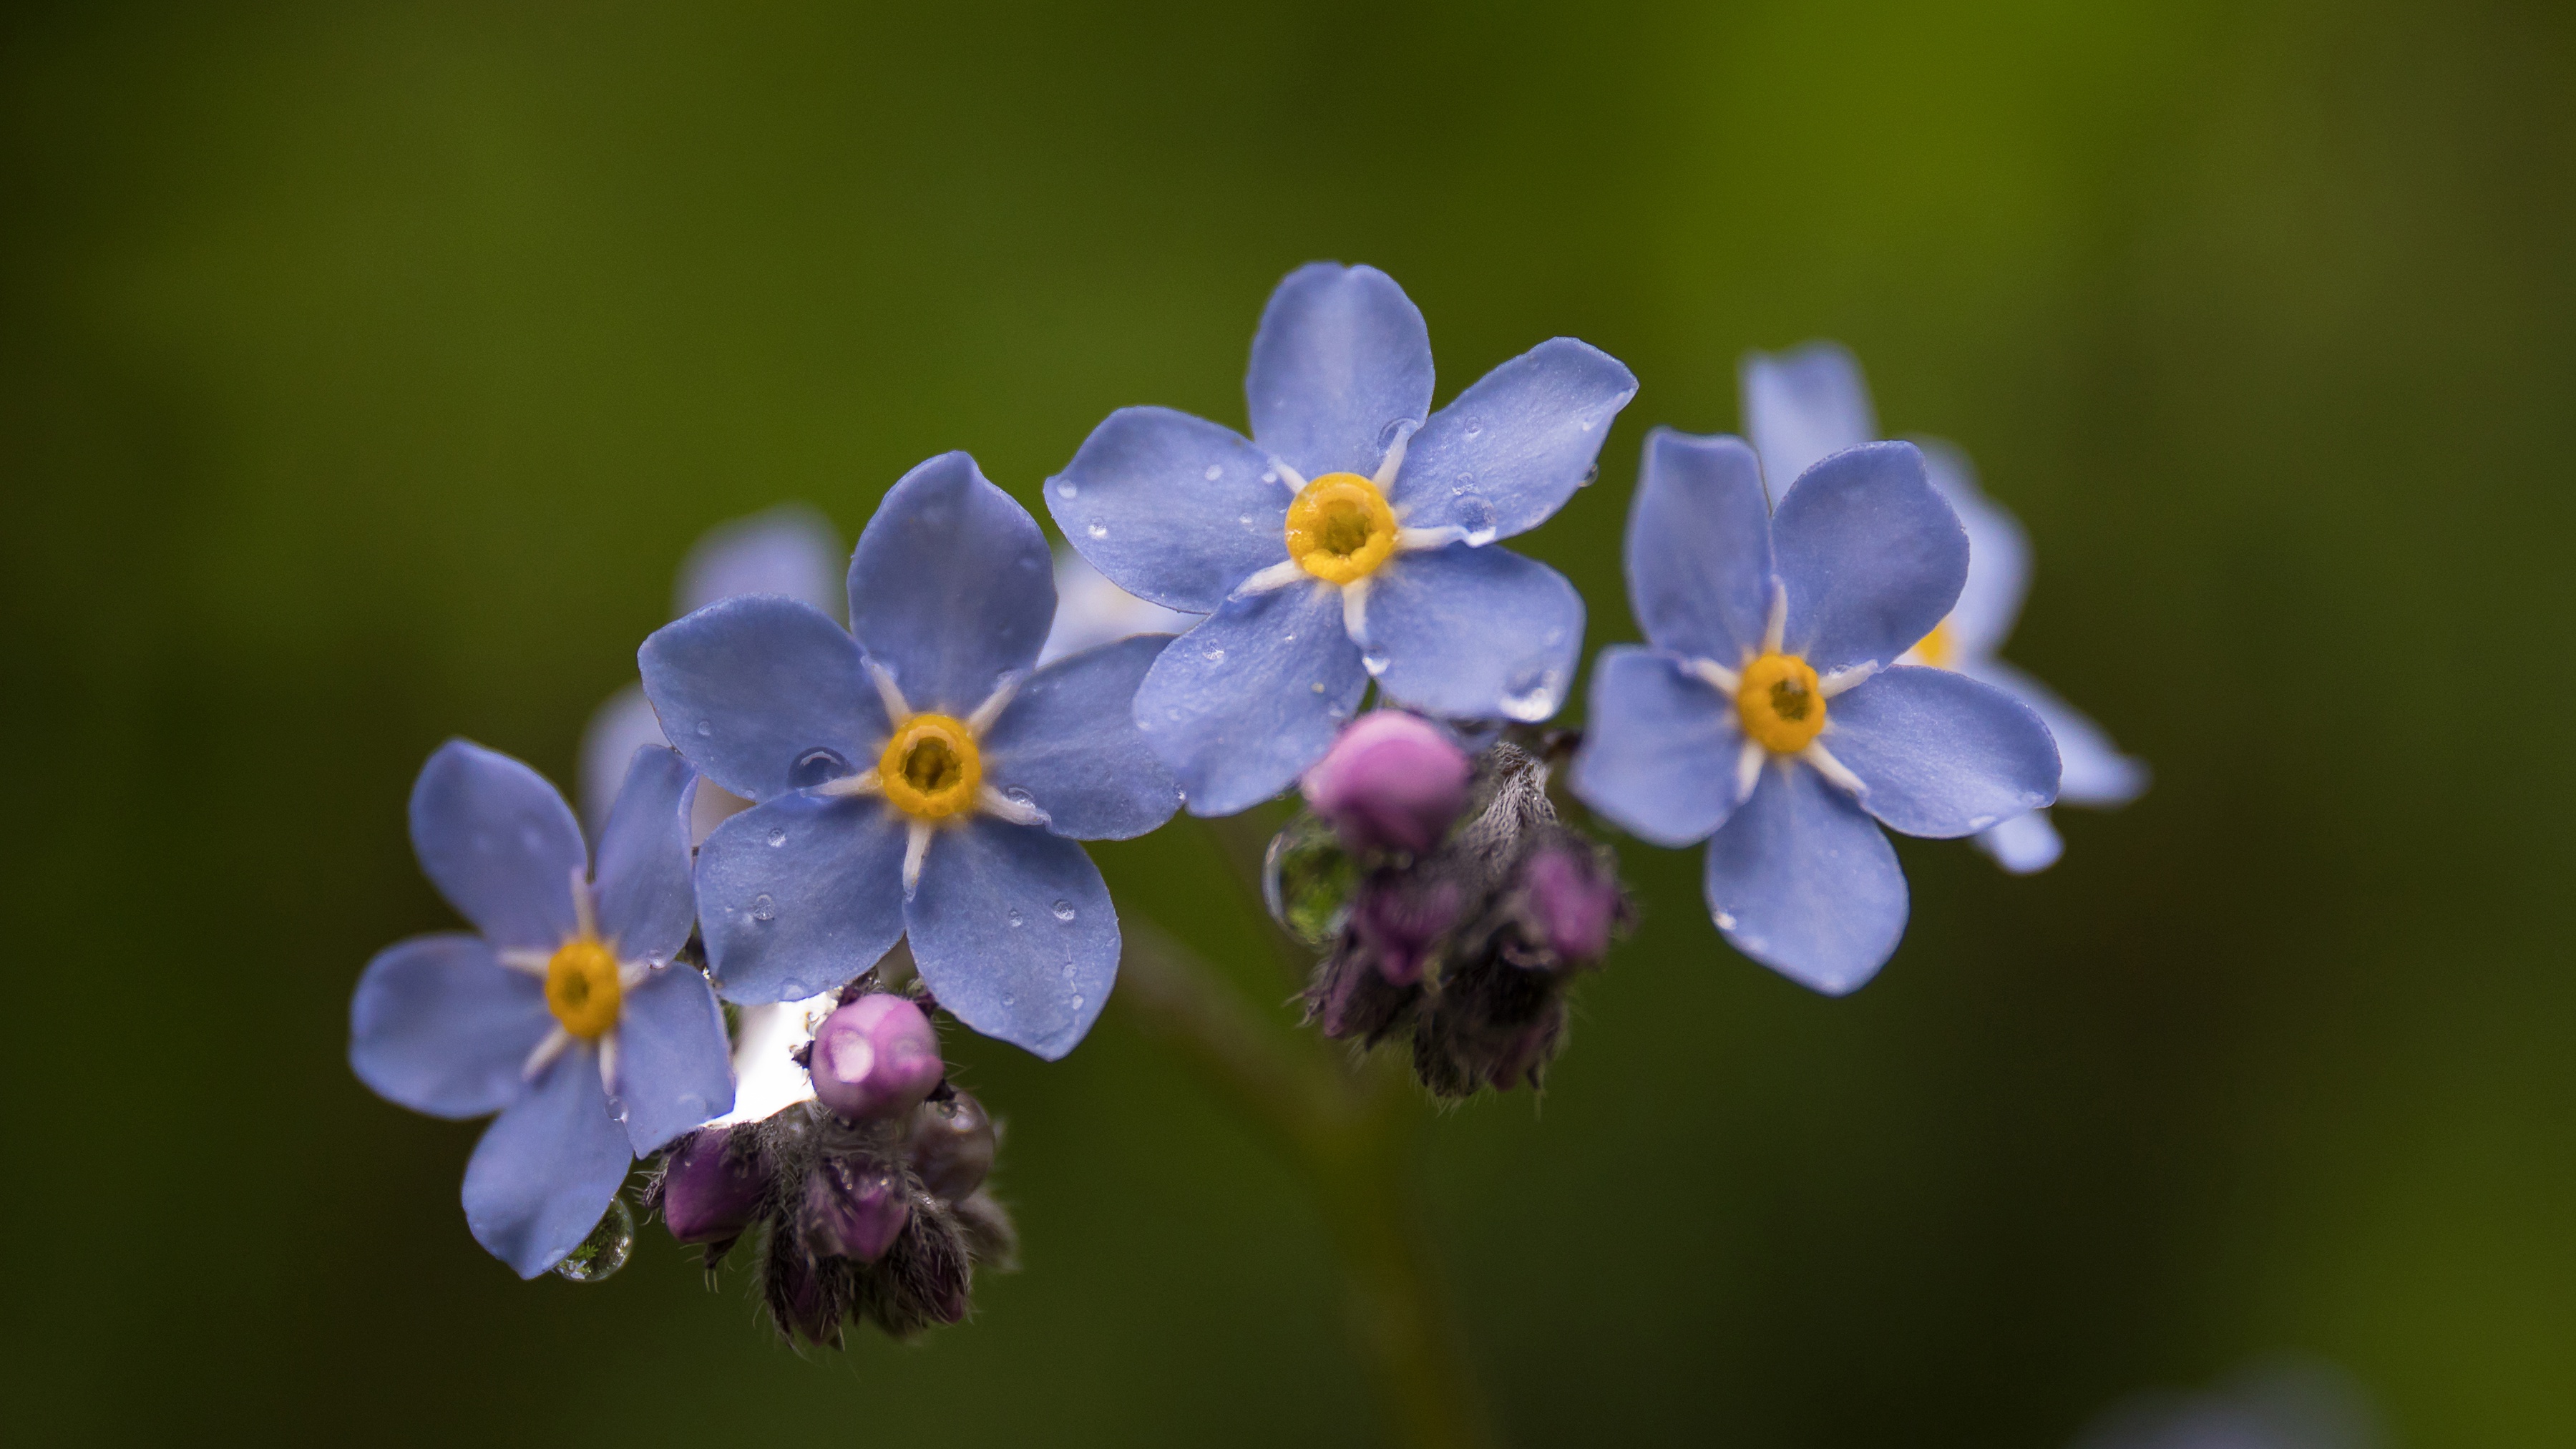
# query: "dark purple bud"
[709,1192]
[1400,920]
[952,1146]
[1391,781]
[800,1293]
[876,1057]
[1572,901]
[854,1208]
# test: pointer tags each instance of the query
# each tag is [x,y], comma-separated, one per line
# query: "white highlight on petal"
[767,1080]
[1718,677]
[866,782]
[608,1066]
[1393,462]
[526,959]
[1355,611]
[916,847]
[1414,540]
[1836,773]
[890,692]
[1278,576]
[991,802]
[585,911]
[545,1054]
[1776,632]
[1748,768]
[1842,679]
[996,702]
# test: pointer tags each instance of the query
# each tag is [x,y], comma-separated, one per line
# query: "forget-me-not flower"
[1349,538]
[790,550]
[1765,717]
[1805,403]
[565,1013]
[913,775]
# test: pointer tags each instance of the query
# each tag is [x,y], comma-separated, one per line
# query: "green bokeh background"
[365,370]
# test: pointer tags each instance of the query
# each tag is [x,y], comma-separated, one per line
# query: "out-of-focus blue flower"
[1091,611]
[1805,403]
[912,774]
[790,550]
[2292,1404]
[564,1014]
[1764,716]
[1348,539]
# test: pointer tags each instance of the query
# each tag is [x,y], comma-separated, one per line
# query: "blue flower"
[565,1014]
[1348,539]
[791,550]
[1764,716]
[1803,404]
[917,779]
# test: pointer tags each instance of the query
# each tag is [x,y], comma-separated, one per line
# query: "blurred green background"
[365,370]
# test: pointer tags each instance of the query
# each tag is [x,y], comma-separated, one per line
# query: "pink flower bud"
[708,1193]
[854,1209]
[875,1057]
[1571,901]
[1391,781]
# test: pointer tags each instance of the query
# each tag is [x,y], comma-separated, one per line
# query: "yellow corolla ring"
[1340,528]
[931,768]
[1779,703]
[581,988]
[1936,649]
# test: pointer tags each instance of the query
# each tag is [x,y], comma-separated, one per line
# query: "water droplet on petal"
[1269,475]
[1063,910]
[1214,472]
[1019,796]
[1064,488]
[604,1251]
[1077,1001]
[1589,474]
[1213,656]
[1476,515]
[1010,998]
[1098,530]
[1725,920]
[1013,916]
[705,728]
[814,767]
[1530,695]
[1318,686]
[764,908]
[777,838]
[1475,426]
[1375,664]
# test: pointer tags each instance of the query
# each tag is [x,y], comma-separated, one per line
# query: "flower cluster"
[847,809]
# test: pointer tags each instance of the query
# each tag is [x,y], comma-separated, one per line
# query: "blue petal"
[1699,548]
[764,695]
[1801,881]
[1998,554]
[1014,933]
[952,586]
[674,1067]
[1511,449]
[1172,508]
[799,895]
[1069,739]
[499,843]
[2024,845]
[1871,556]
[623,724]
[2094,772]
[1242,703]
[1473,633]
[790,550]
[1341,361]
[441,1027]
[1659,748]
[1942,755]
[546,1168]
[1802,406]
[646,904]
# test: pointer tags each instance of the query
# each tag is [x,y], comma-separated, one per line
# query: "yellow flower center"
[1937,648]
[1778,701]
[931,767]
[581,987]
[1340,528]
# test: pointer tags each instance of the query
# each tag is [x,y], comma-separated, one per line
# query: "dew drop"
[1317,686]
[1010,998]
[1077,1001]
[1589,474]
[1476,515]
[1531,693]
[1213,656]
[764,908]
[1725,920]
[1386,435]
[1245,519]
[1098,530]
[1013,916]
[777,837]
[1063,910]
[1269,475]
[1214,472]
[1375,664]
[705,728]
[1064,488]
[604,1251]
[1475,426]
[1019,796]
[814,767]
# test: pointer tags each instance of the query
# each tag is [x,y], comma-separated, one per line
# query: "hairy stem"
[1349,1129]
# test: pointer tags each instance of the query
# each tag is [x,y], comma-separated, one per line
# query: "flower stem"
[1349,1129]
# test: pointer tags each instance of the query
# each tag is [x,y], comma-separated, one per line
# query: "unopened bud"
[710,1193]
[1572,901]
[1391,781]
[1401,920]
[876,1057]
[952,1146]
[854,1208]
